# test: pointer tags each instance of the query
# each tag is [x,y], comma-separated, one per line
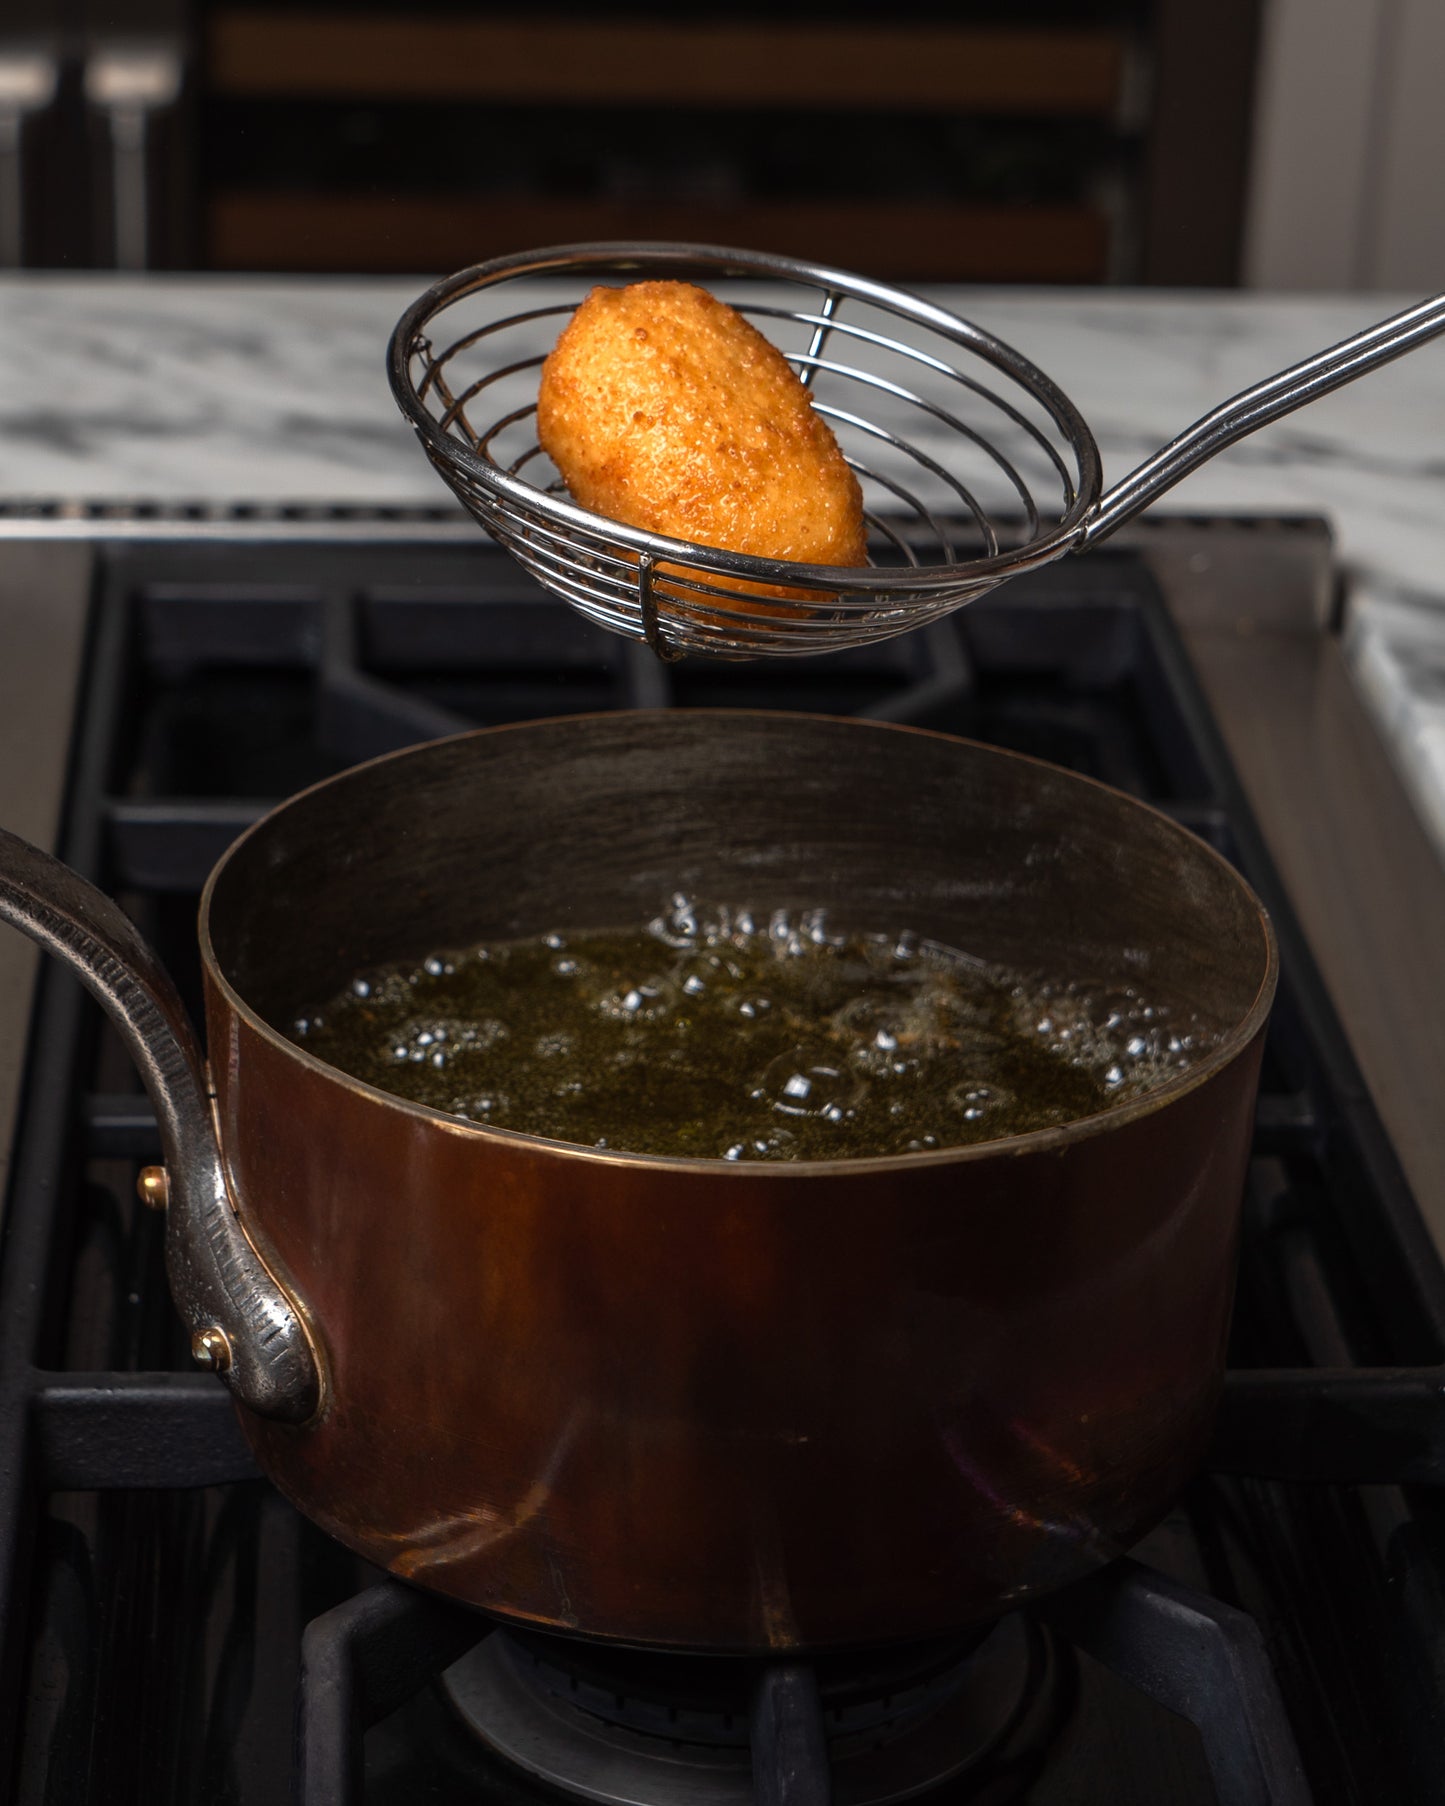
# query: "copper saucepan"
[683,1402]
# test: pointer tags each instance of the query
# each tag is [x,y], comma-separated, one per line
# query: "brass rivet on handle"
[153,1187]
[211,1348]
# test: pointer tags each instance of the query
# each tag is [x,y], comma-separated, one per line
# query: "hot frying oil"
[721,1034]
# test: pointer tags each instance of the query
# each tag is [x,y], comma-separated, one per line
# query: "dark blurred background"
[1065,141]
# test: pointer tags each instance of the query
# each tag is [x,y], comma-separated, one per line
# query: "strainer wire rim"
[446,449]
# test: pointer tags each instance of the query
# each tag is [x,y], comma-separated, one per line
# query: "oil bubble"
[807,1082]
[975,1099]
[815,929]
[704,971]
[677,926]
[772,1144]
[646,1000]
[750,1032]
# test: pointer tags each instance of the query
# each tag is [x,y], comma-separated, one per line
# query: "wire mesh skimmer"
[974,465]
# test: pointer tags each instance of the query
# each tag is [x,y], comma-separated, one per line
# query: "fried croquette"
[665,409]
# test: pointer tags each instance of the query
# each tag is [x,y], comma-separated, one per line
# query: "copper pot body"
[719,1406]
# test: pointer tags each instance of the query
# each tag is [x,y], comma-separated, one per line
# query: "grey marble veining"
[273,390]
[189,389]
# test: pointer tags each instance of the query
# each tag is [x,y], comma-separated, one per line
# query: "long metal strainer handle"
[1256,407]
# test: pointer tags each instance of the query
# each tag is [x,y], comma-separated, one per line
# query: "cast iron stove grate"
[166,1617]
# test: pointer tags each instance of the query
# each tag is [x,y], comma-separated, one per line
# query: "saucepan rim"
[1035,1141]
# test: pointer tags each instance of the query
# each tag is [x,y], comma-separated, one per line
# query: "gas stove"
[172,1631]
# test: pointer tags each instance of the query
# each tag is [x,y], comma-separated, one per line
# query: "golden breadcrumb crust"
[665,409]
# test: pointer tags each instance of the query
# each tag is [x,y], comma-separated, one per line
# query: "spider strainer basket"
[973,465]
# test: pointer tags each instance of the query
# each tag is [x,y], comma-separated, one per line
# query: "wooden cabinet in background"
[1066,141]
[624,79]
[911,147]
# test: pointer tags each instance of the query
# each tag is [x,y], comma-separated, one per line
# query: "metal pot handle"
[242,1323]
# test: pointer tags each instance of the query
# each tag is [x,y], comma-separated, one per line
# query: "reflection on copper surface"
[446,1541]
[1045,1472]
[772,1598]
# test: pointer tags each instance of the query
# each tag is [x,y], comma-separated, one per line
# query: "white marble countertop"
[179,389]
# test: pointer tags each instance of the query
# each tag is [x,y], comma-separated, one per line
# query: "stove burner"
[1279,1614]
[631,1729]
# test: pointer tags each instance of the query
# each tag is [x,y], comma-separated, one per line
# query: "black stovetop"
[174,1632]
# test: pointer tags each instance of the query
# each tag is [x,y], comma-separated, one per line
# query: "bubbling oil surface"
[722,1034]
